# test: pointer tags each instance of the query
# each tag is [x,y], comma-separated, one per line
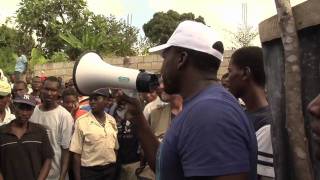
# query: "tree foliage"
[68,26]
[46,18]
[244,36]
[105,35]
[162,25]
[143,45]
[36,58]
[59,57]
[12,42]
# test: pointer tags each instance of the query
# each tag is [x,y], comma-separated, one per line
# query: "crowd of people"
[89,137]
[193,126]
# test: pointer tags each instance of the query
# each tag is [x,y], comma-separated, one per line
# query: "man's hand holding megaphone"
[133,107]
[148,140]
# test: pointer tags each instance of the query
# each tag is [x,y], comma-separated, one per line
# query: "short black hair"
[251,57]
[54,79]
[70,92]
[22,82]
[203,61]
[34,77]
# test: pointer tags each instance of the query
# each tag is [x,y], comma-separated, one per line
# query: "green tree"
[46,18]
[119,37]
[143,45]
[36,58]
[162,25]
[68,26]
[12,42]
[59,57]
[105,35]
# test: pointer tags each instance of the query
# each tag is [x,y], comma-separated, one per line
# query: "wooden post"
[301,168]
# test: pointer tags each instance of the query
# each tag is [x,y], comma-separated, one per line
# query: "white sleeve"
[24,59]
[146,111]
[76,144]
[265,153]
[66,130]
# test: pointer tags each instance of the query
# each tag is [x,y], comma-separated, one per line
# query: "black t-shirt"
[128,142]
[22,159]
[260,117]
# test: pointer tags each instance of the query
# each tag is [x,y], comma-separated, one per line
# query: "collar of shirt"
[96,122]
[7,128]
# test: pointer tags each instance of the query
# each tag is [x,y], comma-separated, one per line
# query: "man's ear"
[246,73]
[182,61]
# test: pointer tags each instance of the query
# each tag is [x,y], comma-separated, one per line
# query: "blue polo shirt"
[210,137]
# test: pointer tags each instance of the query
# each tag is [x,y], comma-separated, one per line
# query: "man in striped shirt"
[246,80]
[25,150]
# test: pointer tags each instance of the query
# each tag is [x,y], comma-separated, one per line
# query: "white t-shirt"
[59,124]
[8,117]
[265,147]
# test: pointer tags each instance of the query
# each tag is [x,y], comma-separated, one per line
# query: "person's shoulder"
[63,111]
[37,108]
[84,120]
[37,111]
[110,118]
[213,102]
[4,128]
[37,127]
[214,108]
[214,94]
[80,113]
[160,108]
[84,117]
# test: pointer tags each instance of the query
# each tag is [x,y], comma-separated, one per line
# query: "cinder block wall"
[150,63]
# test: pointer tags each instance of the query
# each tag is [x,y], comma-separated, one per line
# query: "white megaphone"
[90,73]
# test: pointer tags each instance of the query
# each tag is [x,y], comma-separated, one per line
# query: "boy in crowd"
[59,123]
[19,88]
[36,85]
[25,150]
[70,101]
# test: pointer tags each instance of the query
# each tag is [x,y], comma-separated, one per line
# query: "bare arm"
[64,163]
[44,170]
[76,165]
[148,140]
[1,177]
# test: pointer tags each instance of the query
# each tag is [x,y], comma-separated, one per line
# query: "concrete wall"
[150,63]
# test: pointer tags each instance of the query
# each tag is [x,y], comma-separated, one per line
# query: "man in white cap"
[5,97]
[211,138]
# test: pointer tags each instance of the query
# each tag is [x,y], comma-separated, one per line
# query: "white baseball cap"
[195,36]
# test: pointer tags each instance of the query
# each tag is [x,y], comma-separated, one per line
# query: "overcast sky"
[222,15]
